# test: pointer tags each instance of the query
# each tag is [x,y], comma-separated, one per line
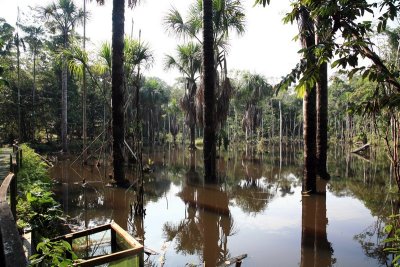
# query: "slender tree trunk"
[280,124]
[192,113]
[34,95]
[19,89]
[84,114]
[192,136]
[209,95]
[273,121]
[309,109]
[64,106]
[118,21]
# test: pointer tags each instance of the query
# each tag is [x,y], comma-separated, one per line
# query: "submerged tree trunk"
[209,95]
[118,21]
[306,27]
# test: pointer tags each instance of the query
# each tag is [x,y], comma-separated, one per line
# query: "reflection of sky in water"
[266,214]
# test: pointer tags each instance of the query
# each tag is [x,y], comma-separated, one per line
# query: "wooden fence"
[11,249]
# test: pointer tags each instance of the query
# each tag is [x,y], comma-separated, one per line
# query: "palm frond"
[175,24]
[106,54]
[138,53]
[76,59]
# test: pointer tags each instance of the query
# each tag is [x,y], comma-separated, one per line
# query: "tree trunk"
[64,106]
[209,95]
[33,96]
[280,124]
[84,96]
[19,90]
[118,20]
[309,109]
[322,121]
[192,137]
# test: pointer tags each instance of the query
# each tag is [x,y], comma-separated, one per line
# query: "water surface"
[256,209]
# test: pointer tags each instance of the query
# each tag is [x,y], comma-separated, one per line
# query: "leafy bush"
[53,253]
[36,206]
[392,242]
[33,171]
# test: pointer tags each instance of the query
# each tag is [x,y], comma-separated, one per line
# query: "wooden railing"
[11,249]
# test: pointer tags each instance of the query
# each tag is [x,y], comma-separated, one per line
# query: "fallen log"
[363,157]
[362,148]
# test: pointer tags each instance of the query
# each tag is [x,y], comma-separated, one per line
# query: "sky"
[266,48]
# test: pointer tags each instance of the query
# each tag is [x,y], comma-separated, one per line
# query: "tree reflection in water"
[316,250]
[207,223]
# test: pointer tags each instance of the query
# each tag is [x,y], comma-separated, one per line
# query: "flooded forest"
[201,132]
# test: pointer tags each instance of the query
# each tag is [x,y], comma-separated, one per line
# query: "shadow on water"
[257,208]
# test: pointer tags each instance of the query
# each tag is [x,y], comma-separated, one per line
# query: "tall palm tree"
[117,80]
[188,62]
[306,29]
[34,38]
[63,16]
[84,94]
[117,87]
[227,16]
[209,152]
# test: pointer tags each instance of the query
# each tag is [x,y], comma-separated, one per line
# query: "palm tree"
[84,94]
[63,16]
[188,62]
[306,29]
[117,93]
[34,38]
[227,16]
[254,89]
[117,81]
[137,56]
[209,152]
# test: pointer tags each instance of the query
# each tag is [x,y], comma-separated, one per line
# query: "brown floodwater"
[257,208]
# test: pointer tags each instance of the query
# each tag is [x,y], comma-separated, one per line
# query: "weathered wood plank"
[13,251]
[4,187]
[84,232]
[127,237]
[110,258]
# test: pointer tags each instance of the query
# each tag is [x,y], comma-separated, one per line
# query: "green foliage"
[261,145]
[392,242]
[53,253]
[33,170]
[36,206]
[6,36]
